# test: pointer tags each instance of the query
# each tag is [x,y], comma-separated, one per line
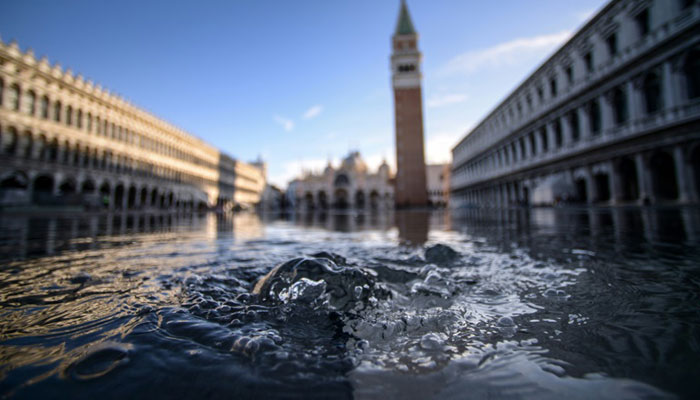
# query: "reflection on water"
[542,303]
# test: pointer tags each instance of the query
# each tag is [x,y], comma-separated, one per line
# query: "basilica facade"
[350,185]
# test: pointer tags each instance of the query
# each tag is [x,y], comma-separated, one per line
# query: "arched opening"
[119,196]
[201,206]
[161,201]
[9,141]
[340,199]
[309,201]
[628,179]
[322,200]
[663,176]
[144,197]
[105,191]
[692,73]
[43,189]
[695,165]
[526,195]
[360,199]
[88,187]
[602,184]
[131,200]
[619,102]
[341,180]
[171,197]
[154,197]
[652,93]
[17,180]
[581,190]
[374,199]
[594,119]
[53,150]
[27,145]
[13,97]
[41,150]
[67,187]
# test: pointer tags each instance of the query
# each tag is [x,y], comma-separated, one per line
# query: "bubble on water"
[432,342]
[506,322]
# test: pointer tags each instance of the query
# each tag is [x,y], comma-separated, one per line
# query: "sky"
[299,82]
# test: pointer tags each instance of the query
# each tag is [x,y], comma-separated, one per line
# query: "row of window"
[527,146]
[27,102]
[26,146]
[550,88]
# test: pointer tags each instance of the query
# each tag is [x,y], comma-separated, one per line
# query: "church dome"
[354,162]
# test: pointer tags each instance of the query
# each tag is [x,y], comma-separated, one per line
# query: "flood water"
[522,304]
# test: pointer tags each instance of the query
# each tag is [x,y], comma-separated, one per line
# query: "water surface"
[544,303]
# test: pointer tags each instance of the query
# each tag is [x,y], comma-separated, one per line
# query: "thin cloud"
[505,54]
[286,123]
[313,112]
[445,100]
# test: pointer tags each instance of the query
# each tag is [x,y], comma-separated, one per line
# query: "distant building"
[350,185]
[67,141]
[438,179]
[613,117]
[408,109]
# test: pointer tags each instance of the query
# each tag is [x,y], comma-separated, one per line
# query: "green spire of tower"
[405,25]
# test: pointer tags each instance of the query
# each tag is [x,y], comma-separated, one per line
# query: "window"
[98,126]
[544,139]
[611,42]
[619,101]
[30,103]
[594,117]
[44,107]
[528,99]
[574,125]
[57,111]
[540,94]
[691,70]
[522,147]
[79,119]
[558,137]
[13,97]
[553,86]
[569,71]
[588,61]
[88,123]
[652,93]
[533,146]
[642,22]
[69,115]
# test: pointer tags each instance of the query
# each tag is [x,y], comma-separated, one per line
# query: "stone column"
[643,178]
[682,176]
[584,123]
[668,84]
[634,99]
[614,183]
[591,189]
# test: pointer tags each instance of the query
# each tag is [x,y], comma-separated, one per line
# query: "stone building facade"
[438,181]
[411,188]
[351,185]
[613,117]
[67,141]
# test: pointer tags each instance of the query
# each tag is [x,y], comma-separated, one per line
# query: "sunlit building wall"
[65,140]
[611,118]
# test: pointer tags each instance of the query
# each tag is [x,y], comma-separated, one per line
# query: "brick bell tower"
[411,190]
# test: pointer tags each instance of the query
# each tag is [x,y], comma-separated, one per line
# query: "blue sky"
[297,82]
